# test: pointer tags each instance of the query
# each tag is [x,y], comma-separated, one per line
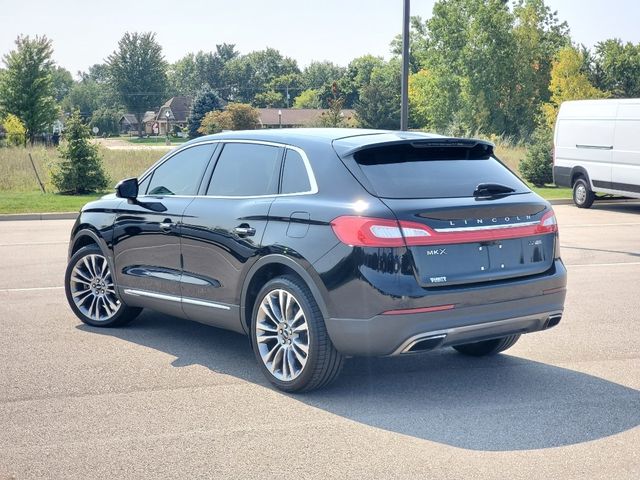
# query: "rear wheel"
[290,339]
[583,196]
[487,347]
[91,290]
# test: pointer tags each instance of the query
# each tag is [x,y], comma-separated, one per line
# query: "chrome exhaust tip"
[424,344]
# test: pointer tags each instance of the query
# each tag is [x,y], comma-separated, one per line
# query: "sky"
[85,32]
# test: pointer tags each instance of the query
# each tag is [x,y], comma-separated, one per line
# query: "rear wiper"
[492,190]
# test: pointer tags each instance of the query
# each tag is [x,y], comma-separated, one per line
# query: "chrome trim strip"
[305,159]
[486,227]
[420,339]
[595,147]
[173,298]
[470,328]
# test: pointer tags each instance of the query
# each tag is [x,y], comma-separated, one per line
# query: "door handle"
[244,231]
[167,225]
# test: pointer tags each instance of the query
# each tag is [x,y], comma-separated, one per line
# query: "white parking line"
[601,264]
[32,289]
[31,243]
[562,225]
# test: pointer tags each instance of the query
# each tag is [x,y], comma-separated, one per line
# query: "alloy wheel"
[282,335]
[92,288]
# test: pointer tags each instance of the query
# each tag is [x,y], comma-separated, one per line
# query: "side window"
[142,186]
[246,169]
[181,174]
[295,178]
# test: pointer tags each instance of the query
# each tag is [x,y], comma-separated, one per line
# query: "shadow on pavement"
[623,206]
[500,403]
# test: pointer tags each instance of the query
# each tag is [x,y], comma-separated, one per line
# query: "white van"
[597,148]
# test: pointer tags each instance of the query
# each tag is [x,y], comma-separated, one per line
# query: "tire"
[279,346]
[487,347]
[583,196]
[91,290]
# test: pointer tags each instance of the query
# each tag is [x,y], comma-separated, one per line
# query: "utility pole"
[404,108]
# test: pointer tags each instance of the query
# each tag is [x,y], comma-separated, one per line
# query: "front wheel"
[583,196]
[91,290]
[487,347]
[290,339]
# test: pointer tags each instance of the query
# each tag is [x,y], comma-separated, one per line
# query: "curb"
[560,201]
[38,216]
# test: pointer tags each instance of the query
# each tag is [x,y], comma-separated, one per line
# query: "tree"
[26,86]
[617,68]
[318,74]
[106,120]
[137,72]
[92,92]
[251,74]
[379,103]
[569,81]
[485,66]
[207,100]
[193,71]
[15,131]
[80,170]
[236,116]
[308,99]
[62,82]
[537,166]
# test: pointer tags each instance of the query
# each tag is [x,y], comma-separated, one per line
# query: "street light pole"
[279,118]
[404,107]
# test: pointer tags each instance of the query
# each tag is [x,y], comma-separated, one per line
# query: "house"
[129,123]
[173,113]
[294,117]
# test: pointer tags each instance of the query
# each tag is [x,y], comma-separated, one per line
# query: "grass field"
[19,191]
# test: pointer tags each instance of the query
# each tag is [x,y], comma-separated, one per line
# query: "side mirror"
[127,189]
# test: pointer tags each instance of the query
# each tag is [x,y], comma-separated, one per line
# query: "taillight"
[382,232]
[374,232]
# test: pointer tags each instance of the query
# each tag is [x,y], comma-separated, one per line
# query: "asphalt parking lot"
[166,398]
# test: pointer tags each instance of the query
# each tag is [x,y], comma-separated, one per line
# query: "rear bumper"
[395,334]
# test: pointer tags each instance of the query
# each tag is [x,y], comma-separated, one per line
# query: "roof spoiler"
[438,142]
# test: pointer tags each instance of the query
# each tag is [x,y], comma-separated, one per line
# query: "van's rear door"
[480,222]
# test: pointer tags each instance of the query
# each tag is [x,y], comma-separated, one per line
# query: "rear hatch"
[465,217]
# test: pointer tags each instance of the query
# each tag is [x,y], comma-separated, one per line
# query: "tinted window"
[142,186]
[181,174]
[404,171]
[245,169]
[295,178]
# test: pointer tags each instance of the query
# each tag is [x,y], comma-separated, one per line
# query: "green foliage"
[487,65]
[26,85]
[62,82]
[379,102]
[106,120]
[15,131]
[252,74]
[617,68]
[236,116]
[269,99]
[194,71]
[308,99]
[137,72]
[537,166]
[206,100]
[569,81]
[80,170]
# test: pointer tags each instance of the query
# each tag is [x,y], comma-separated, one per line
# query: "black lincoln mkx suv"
[321,244]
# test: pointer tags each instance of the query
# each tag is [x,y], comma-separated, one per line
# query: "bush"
[15,131]
[236,116]
[206,100]
[537,166]
[80,170]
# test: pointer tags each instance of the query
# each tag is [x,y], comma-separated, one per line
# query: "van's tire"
[287,320]
[583,196]
[487,347]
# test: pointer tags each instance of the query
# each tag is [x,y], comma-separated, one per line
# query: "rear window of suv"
[407,171]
